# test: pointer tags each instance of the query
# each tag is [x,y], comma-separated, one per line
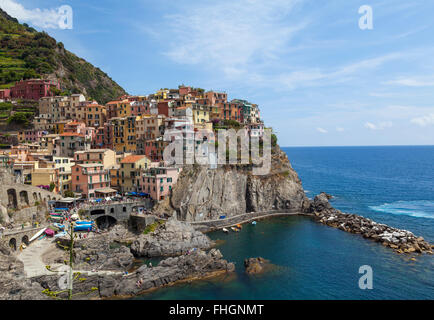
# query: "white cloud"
[321,130]
[379,126]
[43,18]
[424,121]
[412,82]
[229,36]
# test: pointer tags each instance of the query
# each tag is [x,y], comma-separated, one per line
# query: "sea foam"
[419,208]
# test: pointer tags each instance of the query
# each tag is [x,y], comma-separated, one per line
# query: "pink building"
[5,94]
[90,179]
[33,89]
[158,182]
[30,135]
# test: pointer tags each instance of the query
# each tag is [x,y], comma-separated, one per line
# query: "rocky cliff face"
[205,194]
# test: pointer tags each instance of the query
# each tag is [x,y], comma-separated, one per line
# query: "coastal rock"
[255,265]
[400,240]
[171,239]
[193,266]
[103,252]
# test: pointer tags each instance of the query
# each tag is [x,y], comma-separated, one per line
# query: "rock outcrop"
[202,193]
[170,239]
[193,266]
[13,284]
[402,241]
[255,265]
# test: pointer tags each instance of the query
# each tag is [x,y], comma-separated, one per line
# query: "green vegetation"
[273,140]
[22,118]
[152,227]
[68,194]
[26,53]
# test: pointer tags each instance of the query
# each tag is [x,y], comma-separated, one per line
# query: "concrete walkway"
[35,267]
[32,257]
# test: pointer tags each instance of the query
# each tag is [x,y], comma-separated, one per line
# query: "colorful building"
[90,180]
[158,182]
[129,171]
[106,157]
[68,143]
[33,89]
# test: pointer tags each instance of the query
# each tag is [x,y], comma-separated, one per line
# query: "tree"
[52,186]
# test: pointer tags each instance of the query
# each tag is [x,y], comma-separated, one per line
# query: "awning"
[106,190]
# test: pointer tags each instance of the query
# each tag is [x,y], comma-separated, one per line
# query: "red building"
[5,94]
[163,108]
[33,89]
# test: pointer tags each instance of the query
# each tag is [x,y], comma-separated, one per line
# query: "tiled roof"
[71,134]
[133,158]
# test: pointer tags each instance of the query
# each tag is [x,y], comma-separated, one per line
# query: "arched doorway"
[12,198]
[35,196]
[25,240]
[13,244]
[24,197]
[105,222]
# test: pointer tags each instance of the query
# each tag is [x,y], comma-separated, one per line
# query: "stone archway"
[35,196]
[40,197]
[25,240]
[13,244]
[105,222]
[24,197]
[12,198]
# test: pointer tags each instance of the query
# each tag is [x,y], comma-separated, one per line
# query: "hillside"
[26,53]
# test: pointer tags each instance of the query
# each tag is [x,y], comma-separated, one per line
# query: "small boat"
[235,229]
[225,230]
[83,222]
[37,234]
[61,234]
[239,226]
[254,223]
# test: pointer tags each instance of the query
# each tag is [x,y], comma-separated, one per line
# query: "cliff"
[202,193]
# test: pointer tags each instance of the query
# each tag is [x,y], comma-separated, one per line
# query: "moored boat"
[225,230]
[235,229]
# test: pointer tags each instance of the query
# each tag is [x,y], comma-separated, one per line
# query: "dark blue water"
[392,185]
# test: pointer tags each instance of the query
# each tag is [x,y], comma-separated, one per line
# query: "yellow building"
[45,177]
[129,172]
[58,127]
[124,109]
[161,94]
[124,134]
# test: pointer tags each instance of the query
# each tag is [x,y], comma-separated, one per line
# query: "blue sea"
[392,185]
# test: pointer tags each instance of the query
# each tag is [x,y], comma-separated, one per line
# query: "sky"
[318,78]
